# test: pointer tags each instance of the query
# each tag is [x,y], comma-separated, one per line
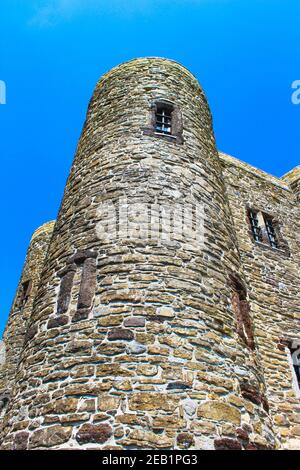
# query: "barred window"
[264,229]
[271,231]
[256,230]
[163,120]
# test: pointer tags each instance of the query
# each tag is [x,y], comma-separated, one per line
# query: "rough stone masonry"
[130,329]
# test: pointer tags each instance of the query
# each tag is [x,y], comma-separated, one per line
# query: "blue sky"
[245,54]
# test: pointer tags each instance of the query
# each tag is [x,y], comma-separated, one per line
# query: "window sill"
[159,135]
[281,251]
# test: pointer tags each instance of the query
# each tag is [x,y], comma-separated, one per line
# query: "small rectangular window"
[24,293]
[163,121]
[265,229]
[241,309]
[271,231]
[297,372]
[294,353]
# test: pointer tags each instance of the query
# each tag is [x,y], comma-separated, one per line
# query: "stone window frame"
[288,345]
[282,247]
[176,121]
[24,293]
[86,259]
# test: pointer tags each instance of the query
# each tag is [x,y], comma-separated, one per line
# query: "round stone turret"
[14,334]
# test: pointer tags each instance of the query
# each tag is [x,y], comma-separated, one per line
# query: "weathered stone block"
[108,402]
[166,312]
[94,433]
[50,436]
[136,348]
[178,386]
[120,334]
[134,322]
[147,439]
[65,405]
[219,411]
[21,440]
[57,321]
[227,444]
[153,401]
[115,370]
[185,440]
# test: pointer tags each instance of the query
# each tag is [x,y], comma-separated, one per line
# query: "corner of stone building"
[292,178]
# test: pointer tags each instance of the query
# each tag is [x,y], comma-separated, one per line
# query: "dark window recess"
[256,229]
[297,371]
[4,399]
[66,283]
[271,231]
[293,348]
[241,308]
[265,229]
[86,259]
[295,354]
[163,123]
[24,294]
[87,289]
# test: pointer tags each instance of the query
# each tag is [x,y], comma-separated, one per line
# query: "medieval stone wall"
[273,282]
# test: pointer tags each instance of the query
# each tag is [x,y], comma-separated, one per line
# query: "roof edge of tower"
[46,227]
[149,58]
[277,181]
[292,175]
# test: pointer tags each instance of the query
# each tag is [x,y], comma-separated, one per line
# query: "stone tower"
[14,334]
[141,335]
